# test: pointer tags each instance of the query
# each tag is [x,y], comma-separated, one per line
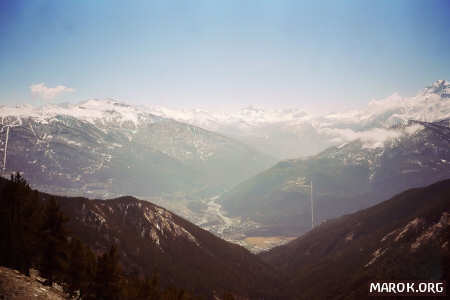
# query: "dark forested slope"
[151,240]
[404,238]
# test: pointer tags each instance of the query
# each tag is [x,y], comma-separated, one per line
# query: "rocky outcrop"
[17,286]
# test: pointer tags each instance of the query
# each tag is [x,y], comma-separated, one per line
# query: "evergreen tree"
[108,283]
[19,218]
[54,256]
[149,289]
[228,296]
[81,269]
[30,226]
[32,212]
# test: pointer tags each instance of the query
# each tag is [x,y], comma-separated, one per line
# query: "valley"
[209,215]
[224,150]
[152,239]
[185,161]
[406,236]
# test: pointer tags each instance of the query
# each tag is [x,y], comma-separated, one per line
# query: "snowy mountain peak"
[103,104]
[100,112]
[440,87]
[282,133]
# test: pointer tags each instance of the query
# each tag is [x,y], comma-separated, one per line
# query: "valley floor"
[209,215]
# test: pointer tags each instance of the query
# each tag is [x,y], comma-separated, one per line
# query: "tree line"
[33,235]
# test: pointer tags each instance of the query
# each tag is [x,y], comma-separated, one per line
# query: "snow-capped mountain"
[269,131]
[346,178]
[431,104]
[291,133]
[104,147]
[103,113]
[246,118]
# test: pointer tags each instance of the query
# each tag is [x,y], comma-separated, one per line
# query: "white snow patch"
[411,225]
[349,237]
[375,255]
[432,231]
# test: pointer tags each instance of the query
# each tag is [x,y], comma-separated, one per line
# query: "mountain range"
[291,132]
[183,158]
[346,178]
[106,148]
[406,237]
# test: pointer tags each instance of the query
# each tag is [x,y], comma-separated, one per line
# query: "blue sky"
[213,54]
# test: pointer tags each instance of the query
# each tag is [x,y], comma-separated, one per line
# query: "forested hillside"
[122,248]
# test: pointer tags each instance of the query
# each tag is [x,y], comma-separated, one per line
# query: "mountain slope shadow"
[404,238]
[151,240]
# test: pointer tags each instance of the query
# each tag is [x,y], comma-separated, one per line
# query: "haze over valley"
[224,150]
[224,182]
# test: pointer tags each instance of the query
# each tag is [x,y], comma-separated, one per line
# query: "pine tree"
[149,289]
[228,296]
[108,283]
[91,271]
[32,212]
[54,256]
[81,269]
[19,218]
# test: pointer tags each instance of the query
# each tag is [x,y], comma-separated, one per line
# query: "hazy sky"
[221,53]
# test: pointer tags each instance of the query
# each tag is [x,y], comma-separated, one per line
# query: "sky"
[221,54]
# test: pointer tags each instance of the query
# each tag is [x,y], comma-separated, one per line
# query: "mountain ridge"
[346,178]
[280,133]
[290,128]
[153,241]
[403,238]
[107,148]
